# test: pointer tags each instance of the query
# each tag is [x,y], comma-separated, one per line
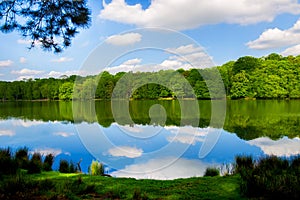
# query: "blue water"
[138,151]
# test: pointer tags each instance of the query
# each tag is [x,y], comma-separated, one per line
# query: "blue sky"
[225,30]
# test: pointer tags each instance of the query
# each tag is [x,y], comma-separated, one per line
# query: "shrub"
[35,164]
[96,168]
[8,164]
[270,177]
[243,162]
[72,167]
[48,162]
[64,166]
[21,156]
[16,187]
[210,171]
[67,167]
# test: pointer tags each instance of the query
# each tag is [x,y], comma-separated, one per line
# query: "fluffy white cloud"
[56,74]
[273,38]
[135,61]
[125,39]
[184,50]
[22,60]
[189,56]
[181,168]
[187,14]
[125,151]
[294,50]
[282,147]
[129,65]
[26,72]
[6,63]
[9,133]
[185,57]
[62,60]
[63,134]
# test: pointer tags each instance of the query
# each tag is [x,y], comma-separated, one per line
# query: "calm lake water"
[151,139]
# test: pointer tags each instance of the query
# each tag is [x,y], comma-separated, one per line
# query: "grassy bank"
[31,177]
[54,185]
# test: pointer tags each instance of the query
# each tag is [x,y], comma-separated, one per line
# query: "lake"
[152,138]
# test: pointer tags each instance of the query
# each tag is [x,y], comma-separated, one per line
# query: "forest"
[269,77]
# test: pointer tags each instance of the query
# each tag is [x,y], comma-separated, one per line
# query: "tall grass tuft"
[8,164]
[96,168]
[270,177]
[22,157]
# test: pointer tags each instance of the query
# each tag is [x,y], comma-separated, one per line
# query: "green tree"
[105,86]
[66,91]
[46,22]
[96,168]
[246,63]
[241,86]
[3,86]
[274,56]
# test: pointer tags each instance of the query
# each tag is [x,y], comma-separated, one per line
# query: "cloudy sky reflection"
[167,153]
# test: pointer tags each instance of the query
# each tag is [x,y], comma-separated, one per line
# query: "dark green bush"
[64,166]
[67,167]
[270,177]
[22,159]
[48,162]
[211,171]
[242,162]
[72,167]
[16,187]
[8,164]
[35,164]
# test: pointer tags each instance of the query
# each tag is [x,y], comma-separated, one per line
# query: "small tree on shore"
[96,168]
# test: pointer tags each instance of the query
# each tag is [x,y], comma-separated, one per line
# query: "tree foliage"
[96,168]
[50,23]
[271,77]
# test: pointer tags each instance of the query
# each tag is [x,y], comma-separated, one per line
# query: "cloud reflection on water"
[181,168]
[282,147]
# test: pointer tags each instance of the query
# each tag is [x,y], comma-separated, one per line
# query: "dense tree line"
[30,89]
[269,77]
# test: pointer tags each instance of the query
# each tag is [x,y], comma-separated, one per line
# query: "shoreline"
[159,99]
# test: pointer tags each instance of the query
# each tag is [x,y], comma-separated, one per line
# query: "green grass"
[54,185]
